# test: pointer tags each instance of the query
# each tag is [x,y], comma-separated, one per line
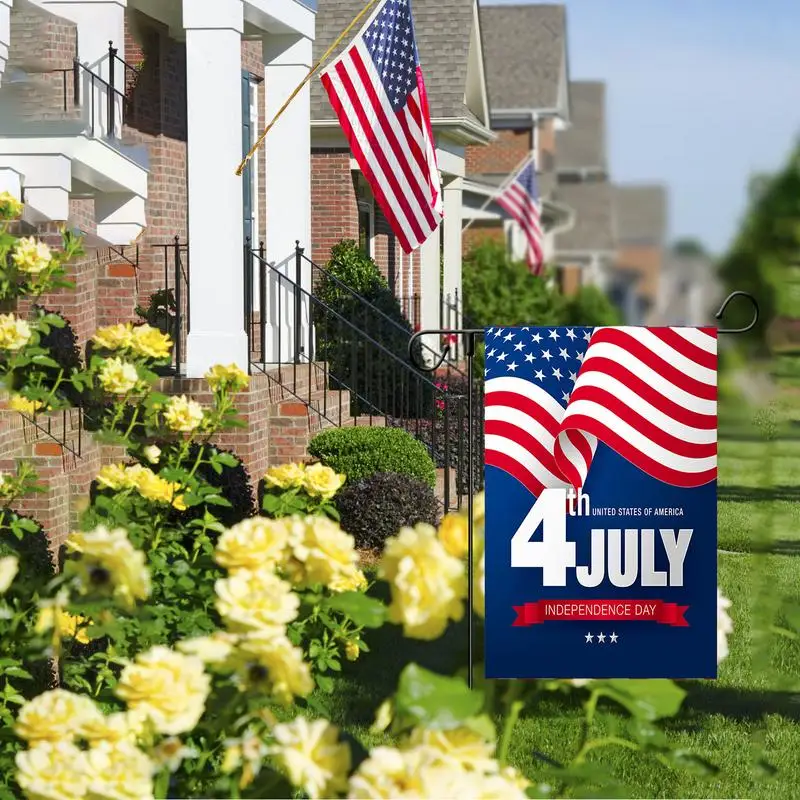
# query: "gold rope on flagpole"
[501,187]
[315,68]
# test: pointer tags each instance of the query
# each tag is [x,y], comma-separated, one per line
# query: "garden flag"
[378,93]
[521,200]
[601,502]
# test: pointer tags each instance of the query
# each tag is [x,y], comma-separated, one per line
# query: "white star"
[580,357]
[489,330]
[601,637]
[502,356]
[570,334]
[498,332]
[614,638]
[557,373]
[490,353]
[589,637]
[529,357]
[587,335]
[546,355]
[526,329]
[519,346]
[562,351]
[553,335]
[508,337]
[537,337]
[539,375]
[511,367]
[565,397]
[573,376]
[485,373]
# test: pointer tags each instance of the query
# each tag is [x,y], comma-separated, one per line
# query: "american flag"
[648,393]
[521,200]
[377,91]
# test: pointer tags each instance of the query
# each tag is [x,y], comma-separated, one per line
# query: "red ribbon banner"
[634,610]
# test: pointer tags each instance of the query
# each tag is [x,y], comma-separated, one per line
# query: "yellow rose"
[152,453]
[251,544]
[255,600]
[461,747]
[150,342]
[231,378]
[354,581]
[454,534]
[428,585]
[66,625]
[312,756]
[109,562]
[121,726]
[391,773]
[31,256]
[114,337]
[322,553]
[272,662]
[19,403]
[114,476]
[15,333]
[52,771]
[168,687]
[9,567]
[54,716]
[215,649]
[321,481]
[183,415]
[152,487]
[285,476]
[119,771]
[352,651]
[10,207]
[117,376]
[170,753]
[506,783]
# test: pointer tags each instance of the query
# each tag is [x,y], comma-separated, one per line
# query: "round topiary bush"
[361,452]
[376,507]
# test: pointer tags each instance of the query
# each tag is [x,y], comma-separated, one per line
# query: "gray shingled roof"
[443,29]
[524,50]
[594,217]
[583,144]
[641,213]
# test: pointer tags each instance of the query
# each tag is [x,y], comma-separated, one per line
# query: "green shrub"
[361,452]
[376,507]
[377,374]
[590,307]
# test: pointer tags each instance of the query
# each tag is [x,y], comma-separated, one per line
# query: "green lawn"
[752,712]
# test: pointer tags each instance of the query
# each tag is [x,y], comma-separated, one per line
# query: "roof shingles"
[641,213]
[583,144]
[593,231]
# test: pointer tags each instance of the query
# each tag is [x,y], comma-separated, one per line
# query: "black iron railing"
[412,311]
[168,308]
[64,428]
[345,359]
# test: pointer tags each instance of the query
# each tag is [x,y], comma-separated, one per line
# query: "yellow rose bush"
[301,489]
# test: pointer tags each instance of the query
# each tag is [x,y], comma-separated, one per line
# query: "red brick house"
[450,46]
[527,73]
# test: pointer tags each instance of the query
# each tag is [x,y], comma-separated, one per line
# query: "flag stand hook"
[470,336]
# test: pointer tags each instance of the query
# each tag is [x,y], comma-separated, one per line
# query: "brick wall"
[546,150]
[645,260]
[333,200]
[571,280]
[500,156]
[479,232]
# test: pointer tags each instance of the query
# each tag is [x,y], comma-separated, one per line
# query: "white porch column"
[5,34]
[216,230]
[429,255]
[451,282]
[287,149]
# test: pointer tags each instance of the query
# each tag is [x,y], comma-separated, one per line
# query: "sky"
[700,94]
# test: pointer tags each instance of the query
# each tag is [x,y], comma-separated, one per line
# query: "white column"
[429,255]
[287,149]
[216,227]
[451,283]
[5,34]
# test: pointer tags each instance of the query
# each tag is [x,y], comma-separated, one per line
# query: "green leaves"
[364,611]
[646,699]
[436,701]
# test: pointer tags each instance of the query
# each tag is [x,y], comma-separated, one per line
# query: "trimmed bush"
[361,452]
[376,507]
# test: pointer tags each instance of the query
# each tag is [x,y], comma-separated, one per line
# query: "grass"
[750,714]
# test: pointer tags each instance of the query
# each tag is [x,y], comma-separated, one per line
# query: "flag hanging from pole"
[521,200]
[378,93]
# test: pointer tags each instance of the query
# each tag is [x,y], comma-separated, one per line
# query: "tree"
[688,248]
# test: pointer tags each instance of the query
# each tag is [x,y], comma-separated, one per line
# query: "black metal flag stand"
[470,336]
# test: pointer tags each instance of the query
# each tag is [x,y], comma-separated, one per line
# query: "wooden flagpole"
[325,56]
[510,177]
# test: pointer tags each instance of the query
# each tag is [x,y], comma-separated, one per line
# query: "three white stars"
[601,638]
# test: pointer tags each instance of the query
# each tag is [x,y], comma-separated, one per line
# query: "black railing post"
[262,301]
[298,300]
[112,57]
[76,82]
[248,294]
[178,305]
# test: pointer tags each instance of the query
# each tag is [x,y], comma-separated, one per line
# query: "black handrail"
[175,255]
[62,440]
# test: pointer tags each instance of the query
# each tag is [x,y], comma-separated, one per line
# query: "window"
[366,227]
